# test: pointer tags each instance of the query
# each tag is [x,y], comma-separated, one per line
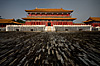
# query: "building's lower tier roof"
[51,18]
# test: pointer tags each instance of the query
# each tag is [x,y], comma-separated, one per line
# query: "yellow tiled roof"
[48,10]
[6,20]
[88,21]
[18,23]
[92,19]
[9,21]
[51,18]
[95,18]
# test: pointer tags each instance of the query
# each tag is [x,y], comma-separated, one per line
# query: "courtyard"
[50,48]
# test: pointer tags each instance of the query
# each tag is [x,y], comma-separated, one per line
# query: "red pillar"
[46,23]
[43,22]
[2,25]
[51,23]
[62,23]
[39,23]
[35,23]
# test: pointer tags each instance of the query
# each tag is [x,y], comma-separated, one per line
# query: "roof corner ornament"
[36,8]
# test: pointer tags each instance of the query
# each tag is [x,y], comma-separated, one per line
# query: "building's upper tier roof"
[92,19]
[48,10]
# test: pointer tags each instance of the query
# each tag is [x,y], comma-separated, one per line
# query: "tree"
[1,17]
[20,21]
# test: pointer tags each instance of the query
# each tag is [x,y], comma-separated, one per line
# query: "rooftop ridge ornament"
[36,8]
[48,8]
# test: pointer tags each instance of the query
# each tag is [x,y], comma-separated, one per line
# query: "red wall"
[95,24]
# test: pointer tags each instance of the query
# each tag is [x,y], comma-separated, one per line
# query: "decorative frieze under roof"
[51,18]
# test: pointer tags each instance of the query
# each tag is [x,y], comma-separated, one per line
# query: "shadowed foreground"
[49,49]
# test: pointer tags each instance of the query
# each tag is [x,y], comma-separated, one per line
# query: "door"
[49,23]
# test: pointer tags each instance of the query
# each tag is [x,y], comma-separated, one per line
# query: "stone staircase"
[49,28]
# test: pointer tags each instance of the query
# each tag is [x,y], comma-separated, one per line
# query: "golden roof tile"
[48,10]
[9,21]
[95,18]
[92,19]
[6,20]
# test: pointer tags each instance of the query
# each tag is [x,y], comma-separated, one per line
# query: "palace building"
[49,19]
[4,22]
[93,21]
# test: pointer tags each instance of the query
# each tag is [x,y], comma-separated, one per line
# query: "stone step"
[49,28]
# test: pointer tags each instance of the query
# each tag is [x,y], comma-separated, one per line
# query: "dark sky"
[83,9]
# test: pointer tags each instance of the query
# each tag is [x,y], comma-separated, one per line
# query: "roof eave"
[47,11]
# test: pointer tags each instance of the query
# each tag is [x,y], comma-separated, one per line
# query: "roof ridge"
[7,19]
[48,8]
[94,17]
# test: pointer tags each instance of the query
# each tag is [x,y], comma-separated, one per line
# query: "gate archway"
[49,23]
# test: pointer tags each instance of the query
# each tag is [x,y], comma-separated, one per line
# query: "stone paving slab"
[49,48]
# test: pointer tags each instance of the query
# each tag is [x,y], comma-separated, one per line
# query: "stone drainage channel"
[49,49]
